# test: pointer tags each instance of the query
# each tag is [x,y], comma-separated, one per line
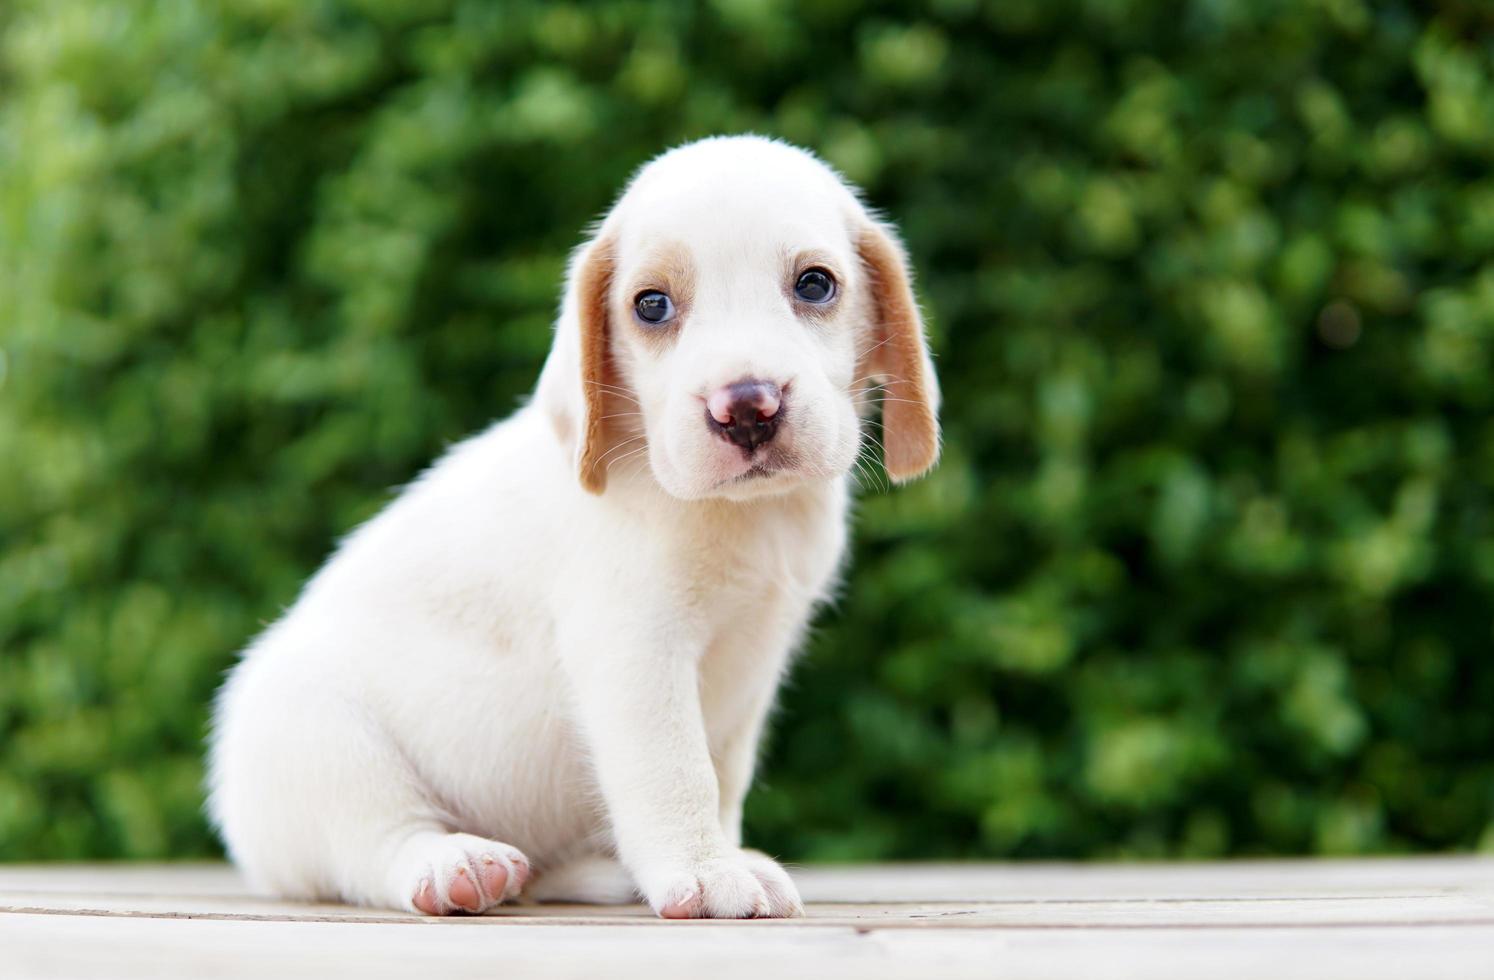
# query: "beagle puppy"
[544,668]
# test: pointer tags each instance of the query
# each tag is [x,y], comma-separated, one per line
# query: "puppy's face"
[739,307]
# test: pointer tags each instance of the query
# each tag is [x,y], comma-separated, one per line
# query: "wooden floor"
[1401,919]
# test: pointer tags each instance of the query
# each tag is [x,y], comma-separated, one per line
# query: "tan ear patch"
[597,377]
[899,355]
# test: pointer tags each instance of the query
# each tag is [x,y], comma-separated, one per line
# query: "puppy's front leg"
[637,694]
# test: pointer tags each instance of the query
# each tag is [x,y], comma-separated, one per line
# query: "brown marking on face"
[800,263]
[669,269]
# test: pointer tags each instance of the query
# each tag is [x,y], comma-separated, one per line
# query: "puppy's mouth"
[764,465]
[759,470]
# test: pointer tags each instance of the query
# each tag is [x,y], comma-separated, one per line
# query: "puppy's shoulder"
[480,495]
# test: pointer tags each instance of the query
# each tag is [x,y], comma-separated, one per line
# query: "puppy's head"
[729,324]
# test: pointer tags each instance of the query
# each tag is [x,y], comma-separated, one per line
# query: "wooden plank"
[913,882]
[1384,910]
[73,946]
[1368,919]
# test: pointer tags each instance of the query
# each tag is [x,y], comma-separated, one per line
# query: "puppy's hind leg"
[591,880]
[333,809]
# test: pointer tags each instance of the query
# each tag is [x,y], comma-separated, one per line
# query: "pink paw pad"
[682,905]
[473,881]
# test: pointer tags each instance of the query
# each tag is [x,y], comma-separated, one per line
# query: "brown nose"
[747,412]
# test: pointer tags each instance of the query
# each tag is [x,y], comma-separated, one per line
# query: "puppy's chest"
[765,583]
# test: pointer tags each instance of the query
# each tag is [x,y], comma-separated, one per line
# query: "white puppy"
[547,664]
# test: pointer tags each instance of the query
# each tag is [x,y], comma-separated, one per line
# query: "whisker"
[873,347]
[627,455]
[867,472]
[619,446]
[615,390]
[858,478]
[889,398]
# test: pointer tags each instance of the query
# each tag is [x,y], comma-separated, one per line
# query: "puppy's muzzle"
[746,412]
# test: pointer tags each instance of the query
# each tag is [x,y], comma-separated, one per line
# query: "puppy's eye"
[815,286]
[654,307]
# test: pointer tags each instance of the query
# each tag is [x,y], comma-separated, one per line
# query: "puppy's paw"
[443,874]
[783,895]
[741,885]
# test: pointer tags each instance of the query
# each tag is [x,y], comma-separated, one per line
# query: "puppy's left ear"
[578,376]
[898,355]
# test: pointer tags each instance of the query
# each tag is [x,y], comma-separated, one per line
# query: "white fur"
[503,669]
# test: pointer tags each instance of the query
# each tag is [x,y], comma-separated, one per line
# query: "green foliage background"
[1208,567]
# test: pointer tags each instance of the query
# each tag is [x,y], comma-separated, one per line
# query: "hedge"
[1208,566]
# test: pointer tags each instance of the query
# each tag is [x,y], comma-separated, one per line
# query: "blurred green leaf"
[1208,565]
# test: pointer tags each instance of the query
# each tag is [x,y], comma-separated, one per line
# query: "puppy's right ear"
[578,374]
